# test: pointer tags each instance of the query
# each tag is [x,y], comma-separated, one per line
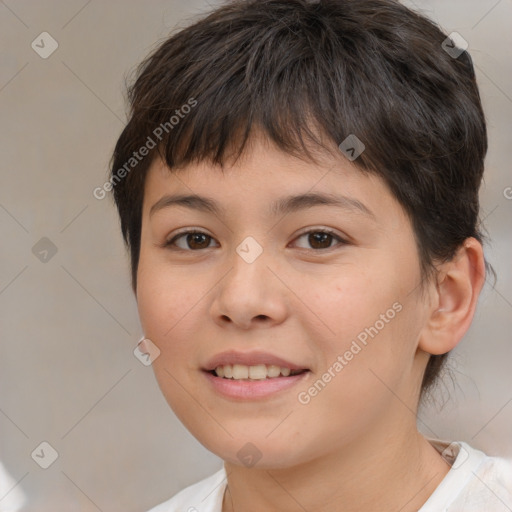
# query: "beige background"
[68,375]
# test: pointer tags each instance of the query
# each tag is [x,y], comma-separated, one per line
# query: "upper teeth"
[256,372]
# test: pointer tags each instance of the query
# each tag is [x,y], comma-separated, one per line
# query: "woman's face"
[261,287]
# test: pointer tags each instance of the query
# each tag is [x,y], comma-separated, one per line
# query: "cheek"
[166,312]
[167,304]
[367,320]
[163,295]
[352,392]
[350,302]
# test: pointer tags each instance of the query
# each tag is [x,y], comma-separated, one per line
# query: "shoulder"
[203,496]
[497,473]
[475,482]
[489,486]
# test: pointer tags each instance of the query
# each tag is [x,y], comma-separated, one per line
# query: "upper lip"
[249,359]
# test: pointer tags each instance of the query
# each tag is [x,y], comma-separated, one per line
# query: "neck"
[380,472]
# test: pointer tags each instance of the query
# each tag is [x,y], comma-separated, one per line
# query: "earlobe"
[459,284]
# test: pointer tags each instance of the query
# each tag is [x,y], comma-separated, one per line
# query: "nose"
[250,294]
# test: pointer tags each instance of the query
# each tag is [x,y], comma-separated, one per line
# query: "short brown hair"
[372,68]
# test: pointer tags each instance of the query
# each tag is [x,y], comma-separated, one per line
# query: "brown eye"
[194,241]
[320,239]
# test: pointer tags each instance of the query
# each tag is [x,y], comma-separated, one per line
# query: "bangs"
[274,85]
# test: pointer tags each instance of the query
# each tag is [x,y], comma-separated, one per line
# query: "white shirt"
[475,483]
[12,498]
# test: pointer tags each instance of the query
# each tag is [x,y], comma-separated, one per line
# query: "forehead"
[265,177]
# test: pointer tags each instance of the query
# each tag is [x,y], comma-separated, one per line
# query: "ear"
[459,283]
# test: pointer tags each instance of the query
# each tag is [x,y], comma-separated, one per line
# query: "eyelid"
[183,231]
[316,229]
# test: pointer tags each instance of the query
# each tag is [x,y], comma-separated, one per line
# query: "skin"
[355,445]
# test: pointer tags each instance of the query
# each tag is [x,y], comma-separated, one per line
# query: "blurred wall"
[68,318]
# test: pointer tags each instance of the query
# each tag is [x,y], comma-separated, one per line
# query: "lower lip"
[253,389]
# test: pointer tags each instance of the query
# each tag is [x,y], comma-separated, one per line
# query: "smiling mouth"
[255,372]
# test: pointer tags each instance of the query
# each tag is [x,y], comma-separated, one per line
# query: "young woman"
[298,188]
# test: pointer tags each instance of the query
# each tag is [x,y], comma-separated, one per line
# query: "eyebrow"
[282,206]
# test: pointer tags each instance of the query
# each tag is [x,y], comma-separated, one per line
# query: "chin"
[256,452]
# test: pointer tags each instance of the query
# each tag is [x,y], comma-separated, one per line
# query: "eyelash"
[169,243]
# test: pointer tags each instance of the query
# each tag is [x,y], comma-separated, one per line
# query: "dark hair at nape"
[307,72]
